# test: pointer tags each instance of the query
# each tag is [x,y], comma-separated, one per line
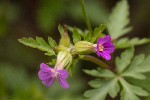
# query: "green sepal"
[65,39]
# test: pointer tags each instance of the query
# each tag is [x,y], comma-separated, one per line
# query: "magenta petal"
[44,67]
[106,55]
[104,40]
[109,48]
[44,75]
[48,82]
[98,53]
[64,84]
[63,73]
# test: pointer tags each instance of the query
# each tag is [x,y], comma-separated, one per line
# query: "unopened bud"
[83,47]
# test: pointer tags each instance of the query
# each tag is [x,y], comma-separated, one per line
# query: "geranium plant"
[113,80]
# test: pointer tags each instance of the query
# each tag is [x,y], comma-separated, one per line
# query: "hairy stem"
[85,16]
[96,61]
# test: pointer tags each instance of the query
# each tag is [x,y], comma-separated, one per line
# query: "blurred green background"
[29,18]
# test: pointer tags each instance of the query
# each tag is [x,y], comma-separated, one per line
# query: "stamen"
[101,48]
[55,73]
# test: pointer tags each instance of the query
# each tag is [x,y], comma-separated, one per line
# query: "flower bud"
[64,60]
[83,47]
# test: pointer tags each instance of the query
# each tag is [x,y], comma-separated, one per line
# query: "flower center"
[101,48]
[55,73]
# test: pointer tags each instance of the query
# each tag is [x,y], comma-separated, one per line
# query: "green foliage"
[76,36]
[78,30]
[98,32]
[102,87]
[138,66]
[110,87]
[144,83]
[125,42]
[130,91]
[118,20]
[129,71]
[100,73]
[39,43]
[125,59]
[52,42]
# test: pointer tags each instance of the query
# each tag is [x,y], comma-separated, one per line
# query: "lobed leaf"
[118,20]
[39,43]
[100,73]
[52,42]
[110,87]
[96,83]
[125,42]
[138,67]
[131,92]
[125,59]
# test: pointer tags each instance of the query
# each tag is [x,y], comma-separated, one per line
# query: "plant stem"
[96,61]
[85,16]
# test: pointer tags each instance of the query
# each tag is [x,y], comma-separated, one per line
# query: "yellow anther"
[101,48]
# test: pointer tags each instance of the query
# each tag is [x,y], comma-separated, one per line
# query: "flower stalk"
[88,24]
[96,61]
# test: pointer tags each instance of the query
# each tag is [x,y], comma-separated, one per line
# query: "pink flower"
[104,47]
[48,75]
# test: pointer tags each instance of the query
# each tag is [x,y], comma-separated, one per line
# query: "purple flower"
[104,47]
[48,75]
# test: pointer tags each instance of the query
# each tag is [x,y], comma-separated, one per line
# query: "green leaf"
[138,67]
[110,87]
[125,42]
[98,32]
[76,36]
[142,83]
[96,83]
[118,20]
[39,43]
[52,42]
[87,37]
[125,59]
[131,92]
[100,73]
